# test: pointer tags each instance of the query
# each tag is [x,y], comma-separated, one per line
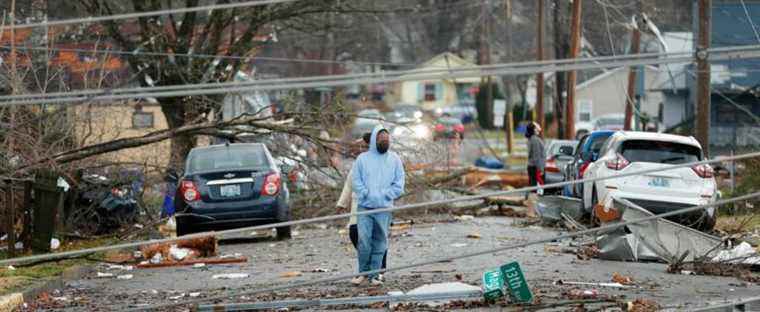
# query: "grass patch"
[25,276]
[737,223]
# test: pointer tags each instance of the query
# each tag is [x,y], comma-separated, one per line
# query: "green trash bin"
[46,200]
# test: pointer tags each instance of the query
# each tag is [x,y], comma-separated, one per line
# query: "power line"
[608,227]
[524,68]
[86,20]
[66,254]
[211,56]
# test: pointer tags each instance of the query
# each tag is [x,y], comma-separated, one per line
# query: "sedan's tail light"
[439,128]
[703,171]
[272,184]
[582,170]
[551,165]
[189,191]
[459,128]
[618,163]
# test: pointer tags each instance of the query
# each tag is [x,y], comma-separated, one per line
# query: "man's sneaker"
[381,277]
[376,282]
[358,280]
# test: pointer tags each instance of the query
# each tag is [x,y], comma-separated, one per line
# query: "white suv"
[658,192]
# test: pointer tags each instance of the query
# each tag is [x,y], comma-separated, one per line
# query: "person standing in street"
[536,155]
[378,179]
[348,199]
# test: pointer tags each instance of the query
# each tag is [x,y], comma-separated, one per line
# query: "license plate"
[230,190]
[659,182]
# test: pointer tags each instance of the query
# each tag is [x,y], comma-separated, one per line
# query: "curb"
[12,301]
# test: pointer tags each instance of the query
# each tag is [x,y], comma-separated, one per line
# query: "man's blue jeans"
[373,240]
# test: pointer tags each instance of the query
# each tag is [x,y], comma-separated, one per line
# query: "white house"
[432,94]
[606,94]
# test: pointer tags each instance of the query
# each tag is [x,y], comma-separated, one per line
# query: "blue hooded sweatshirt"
[378,178]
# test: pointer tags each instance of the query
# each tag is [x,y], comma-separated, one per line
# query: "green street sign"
[516,283]
[493,283]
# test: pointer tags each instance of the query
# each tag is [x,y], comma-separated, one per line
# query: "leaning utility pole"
[630,95]
[561,47]
[540,76]
[703,76]
[485,59]
[575,45]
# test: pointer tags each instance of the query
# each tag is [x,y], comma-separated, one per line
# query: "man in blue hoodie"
[377,181]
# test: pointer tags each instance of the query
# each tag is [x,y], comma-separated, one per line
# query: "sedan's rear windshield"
[598,141]
[228,158]
[660,152]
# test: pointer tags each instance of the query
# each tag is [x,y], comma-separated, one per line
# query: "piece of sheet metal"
[667,239]
[552,207]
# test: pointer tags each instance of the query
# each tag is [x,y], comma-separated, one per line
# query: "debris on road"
[291,274]
[120,267]
[230,276]
[464,218]
[742,253]
[194,262]
[551,208]
[474,235]
[622,279]
[105,275]
[642,305]
[611,285]
[125,277]
[442,288]
[204,246]
[194,294]
[320,270]
[582,294]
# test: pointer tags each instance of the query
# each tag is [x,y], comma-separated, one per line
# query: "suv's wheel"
[183,228]
[594,201]
[707,223]
[283,232]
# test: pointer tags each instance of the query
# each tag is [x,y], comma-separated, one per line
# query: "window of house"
[142,120]
[585,110]
[430,92]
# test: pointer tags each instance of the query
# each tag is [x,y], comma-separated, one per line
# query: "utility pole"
[509,119]
[575,47]
[703,75]
[540,76]
[485,58]
[630,95]
[561,47]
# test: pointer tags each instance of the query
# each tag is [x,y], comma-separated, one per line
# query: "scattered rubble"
[642,305]
[291,274]
[230,276]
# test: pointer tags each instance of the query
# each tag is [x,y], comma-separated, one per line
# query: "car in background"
[464,110]
[366,120]
[558,154]
[448,128]
[585,153]
[661,191]
[407,113]
[615,122]
[231,186]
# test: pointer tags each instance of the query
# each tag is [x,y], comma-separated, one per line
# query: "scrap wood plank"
[192,262]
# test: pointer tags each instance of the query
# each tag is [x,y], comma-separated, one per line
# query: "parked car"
[464,110]
[448,128]
[614,122]
[660,191]
[231,186]
[585,153]
[366,120]
[412,113]
[558,154]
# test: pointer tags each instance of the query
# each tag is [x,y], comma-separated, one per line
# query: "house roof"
[604,75]
[443,60]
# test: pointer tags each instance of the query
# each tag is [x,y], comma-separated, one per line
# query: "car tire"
[707,223]
[594,201]
[283,233]
[183,228]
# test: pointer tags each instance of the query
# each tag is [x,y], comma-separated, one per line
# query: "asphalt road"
[327,249]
